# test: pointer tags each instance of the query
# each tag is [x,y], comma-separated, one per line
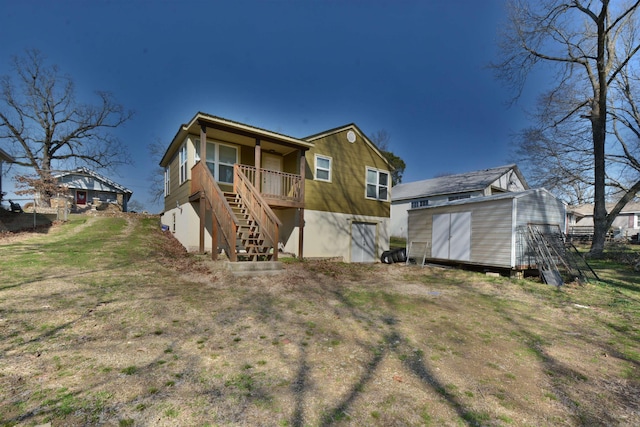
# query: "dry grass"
[109,322]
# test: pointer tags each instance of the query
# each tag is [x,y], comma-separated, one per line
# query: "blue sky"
[417,69]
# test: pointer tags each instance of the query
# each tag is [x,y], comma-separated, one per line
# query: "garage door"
[363,242]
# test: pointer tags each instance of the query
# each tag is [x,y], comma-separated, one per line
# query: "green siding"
[178,193]
[346,191]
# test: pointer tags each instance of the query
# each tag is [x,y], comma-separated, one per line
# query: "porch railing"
[258,208]
[273,184]
[203,181]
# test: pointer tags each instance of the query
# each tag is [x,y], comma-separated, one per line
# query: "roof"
[5,157]
[231,126]
[453,184]
[95,175]
[501,196]
[355,128]
[587,208]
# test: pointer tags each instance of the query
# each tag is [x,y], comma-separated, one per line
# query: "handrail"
[284,186]
[203,181]
[258,208]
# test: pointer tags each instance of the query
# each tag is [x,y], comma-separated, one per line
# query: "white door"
[451,236]
[271,182]
[363,242]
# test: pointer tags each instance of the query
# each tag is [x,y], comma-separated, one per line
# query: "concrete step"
[257,268]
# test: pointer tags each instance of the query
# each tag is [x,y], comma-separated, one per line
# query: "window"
[459,197]
[323,168]
[377,184]
[183,163]
[220,160]
[167,181]
[419,203]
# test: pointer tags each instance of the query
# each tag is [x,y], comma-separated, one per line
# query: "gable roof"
[356,129]
[5,157]
[229,126]
[94,175]
[453,184]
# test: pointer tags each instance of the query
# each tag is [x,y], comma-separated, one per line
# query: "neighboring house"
[436,191]
[626,224]
[489,231]
[259,191]
[4,158]
[90,189]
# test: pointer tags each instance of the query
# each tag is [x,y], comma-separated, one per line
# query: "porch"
[241,196]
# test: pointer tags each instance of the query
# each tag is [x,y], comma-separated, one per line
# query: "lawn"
[107,321]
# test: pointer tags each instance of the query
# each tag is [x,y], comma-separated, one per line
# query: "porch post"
[203,212]
[203,144]
[258,154]
[214,236]
[303,168]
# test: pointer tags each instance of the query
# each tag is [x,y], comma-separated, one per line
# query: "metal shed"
[485,231]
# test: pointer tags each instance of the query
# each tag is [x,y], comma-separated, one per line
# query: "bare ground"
[166,339]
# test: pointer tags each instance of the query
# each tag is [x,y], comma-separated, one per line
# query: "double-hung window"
[183,163]
[220,160]
[323,168]
[419,203]
[167,181]
[377,184]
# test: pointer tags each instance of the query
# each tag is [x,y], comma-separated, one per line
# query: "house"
[626,224]
[4,158]
[445,189]
[490,231]
[90,189]
[259,192]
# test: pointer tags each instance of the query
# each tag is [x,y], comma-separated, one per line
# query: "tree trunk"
[599,131]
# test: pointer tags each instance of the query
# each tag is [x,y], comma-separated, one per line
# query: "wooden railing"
[258,208]
[273,184]
[203,181]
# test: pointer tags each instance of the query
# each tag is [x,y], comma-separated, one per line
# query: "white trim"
[167,180]
[216,157]
[377,183]
[316,167]
[183,163]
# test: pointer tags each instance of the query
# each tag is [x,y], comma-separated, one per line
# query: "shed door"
[363,242]
[451,236]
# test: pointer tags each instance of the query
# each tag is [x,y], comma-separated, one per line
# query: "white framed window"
[377,184]
[419,203]
[220,160]
[183,163]
[459,197]
[323,168]
[167,181]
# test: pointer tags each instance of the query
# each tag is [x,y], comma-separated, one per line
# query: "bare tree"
[381,139]
[587,124]
[156,177]
[43,125]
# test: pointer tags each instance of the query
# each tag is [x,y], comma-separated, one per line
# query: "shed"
[485,231]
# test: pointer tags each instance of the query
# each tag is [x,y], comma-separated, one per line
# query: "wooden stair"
[250,243]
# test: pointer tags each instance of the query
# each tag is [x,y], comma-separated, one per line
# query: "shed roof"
[94,175]
[502,196]
[453,184]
